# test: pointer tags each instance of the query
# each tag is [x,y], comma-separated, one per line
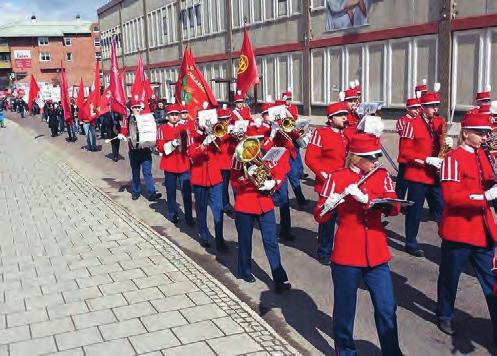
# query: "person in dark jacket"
[53,119]
[160,113]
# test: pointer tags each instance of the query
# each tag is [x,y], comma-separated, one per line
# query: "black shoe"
[228,211]
[205,244]
[416,252]
[135,196]
[154,196]
[115,159]
[304,176]
[190,222]
[446,327]
[324,260]
[221,246]
[175,219]
[249,279]
[287,236]
[302,202]
[282,287]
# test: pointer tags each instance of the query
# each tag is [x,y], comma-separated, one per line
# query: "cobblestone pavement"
[79,275]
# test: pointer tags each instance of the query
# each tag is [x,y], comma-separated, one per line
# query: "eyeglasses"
[481,133]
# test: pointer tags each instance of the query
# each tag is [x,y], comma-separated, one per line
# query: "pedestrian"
[112,133]
[160,113]
[468,229]
[327,152]
[89,123]
[53,119]
[2,119]
[172,141]
[360,252]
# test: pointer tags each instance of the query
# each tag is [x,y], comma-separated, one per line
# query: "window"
[98,56]
[184,20]
[95,29]
[45,56]
[96,41]
[164,25]
[69,56]
[198,15]
[42,41]
[67,41]
[190,16]
[282,7]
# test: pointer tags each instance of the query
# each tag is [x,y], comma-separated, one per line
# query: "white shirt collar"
[355,169]
[468,148]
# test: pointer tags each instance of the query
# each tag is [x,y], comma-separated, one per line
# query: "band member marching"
[482,98]
[402,126]
[172,140]
[352,96]
[424,146]
[360,251]
[207,183]
[241,110]
[468,229]
[254,180]
[326,152]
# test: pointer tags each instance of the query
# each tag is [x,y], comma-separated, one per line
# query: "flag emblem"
[243,64]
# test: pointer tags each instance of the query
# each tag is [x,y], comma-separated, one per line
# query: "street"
[74,244]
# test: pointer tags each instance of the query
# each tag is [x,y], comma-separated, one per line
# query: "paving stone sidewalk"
[80,276]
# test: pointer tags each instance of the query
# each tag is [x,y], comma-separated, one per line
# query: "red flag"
[96,97]
[80,101]
[140,87]
[91,109]
[105,101]
[34,89]
[247,75]
[64,92]
[116,84]
[191,87]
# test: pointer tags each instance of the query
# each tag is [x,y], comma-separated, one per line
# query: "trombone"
[248,152]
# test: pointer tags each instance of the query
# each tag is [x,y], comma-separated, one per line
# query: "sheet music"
[277,112]
[274,154]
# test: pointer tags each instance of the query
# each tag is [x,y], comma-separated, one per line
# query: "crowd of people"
[259,156]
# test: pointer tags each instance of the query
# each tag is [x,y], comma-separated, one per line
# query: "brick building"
[314,46]
[38,47]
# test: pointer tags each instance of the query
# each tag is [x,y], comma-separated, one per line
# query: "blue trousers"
[213,197]
[346,281]
[267,224]
[141,159]
[294,176]
[454,257]
[326,233]
[280,199]
[417,193]
[226,195]
[91,136]
[400,182]
[170,181]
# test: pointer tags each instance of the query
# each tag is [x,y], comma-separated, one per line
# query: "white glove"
[268,185]
[176,142]
[274,130]
[209,139]
[258,122]
[121,137]
[231,129]
[333,201]
[324,175]
[491,194]
[251,170]
[357,194]
[449,141]
[434,161]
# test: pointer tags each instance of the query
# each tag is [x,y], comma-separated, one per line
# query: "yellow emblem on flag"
[243,64]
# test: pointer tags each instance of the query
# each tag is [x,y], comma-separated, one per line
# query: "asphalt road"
[303,315]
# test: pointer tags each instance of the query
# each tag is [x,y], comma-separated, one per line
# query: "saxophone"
[444,148]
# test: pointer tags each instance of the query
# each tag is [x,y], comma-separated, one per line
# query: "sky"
[18,10]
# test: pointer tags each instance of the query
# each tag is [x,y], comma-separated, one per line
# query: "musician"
[227,145]
[291,141]
[207,183]
[172,140]
[482,98]
[254,204]
[326,152]
[423,140]
[352,96]
[360,251]
[139,158]
[185,116]
[260,127]
[421,89]
[412,105]
[468,229]
[241,110]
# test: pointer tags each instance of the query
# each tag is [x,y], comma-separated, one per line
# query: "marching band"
[259,156]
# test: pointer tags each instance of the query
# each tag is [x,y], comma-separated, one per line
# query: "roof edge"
[108,6]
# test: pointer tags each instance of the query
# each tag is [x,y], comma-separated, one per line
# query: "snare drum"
[142,131]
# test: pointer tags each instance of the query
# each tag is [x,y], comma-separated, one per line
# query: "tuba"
[248,152]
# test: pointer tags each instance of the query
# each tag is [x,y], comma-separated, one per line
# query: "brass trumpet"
[248,152]
[220,129]
[287,126]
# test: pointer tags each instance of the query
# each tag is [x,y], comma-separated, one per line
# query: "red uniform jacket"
[292,108]
[360,239]
[280,140]
[248,198]
[402,126]
[205,162]
[464,173]
[177,161]
[353,119]
[326,152]
[422,140]
[262,131]
[227,145]
[242,114]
